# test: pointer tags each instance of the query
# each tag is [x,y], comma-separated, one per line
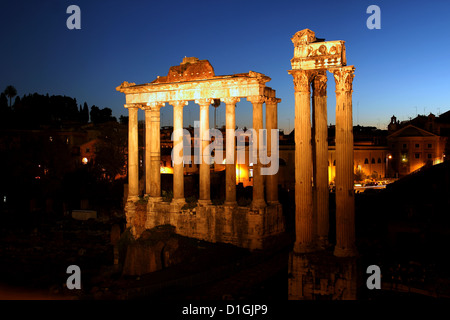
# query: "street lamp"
[387,166]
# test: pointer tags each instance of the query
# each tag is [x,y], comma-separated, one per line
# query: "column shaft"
[303,163]
[321,196]
[271,123]
[133,153]
[178,169]
[345,200]
[148,138]
[205,179]
[155,154]
[258,181]
[230,167]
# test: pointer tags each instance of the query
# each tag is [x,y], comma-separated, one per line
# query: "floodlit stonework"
[195,80]
[312,58]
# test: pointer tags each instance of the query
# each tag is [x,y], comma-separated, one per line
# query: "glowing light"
[166,170]
[389,157]
[85,160]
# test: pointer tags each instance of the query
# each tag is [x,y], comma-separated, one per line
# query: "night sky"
[401,69]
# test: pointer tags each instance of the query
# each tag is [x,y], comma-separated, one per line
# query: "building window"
[430,145]
[250,173]
[366,161]
[373,160]
[430,156]
[417,155]
[404,146]
[417,145]
[379,160]
[88,150]
[334,163]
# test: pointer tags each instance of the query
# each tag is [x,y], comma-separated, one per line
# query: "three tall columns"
[311,182]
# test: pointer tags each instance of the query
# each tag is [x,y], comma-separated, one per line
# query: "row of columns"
[311,163]
[153,153]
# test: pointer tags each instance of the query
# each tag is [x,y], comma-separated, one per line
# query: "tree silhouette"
[10,92]
[85,113]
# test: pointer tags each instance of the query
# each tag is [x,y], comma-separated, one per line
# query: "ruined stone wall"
[240,226]
[322,276]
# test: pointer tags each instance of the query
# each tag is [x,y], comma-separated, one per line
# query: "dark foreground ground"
[405,230]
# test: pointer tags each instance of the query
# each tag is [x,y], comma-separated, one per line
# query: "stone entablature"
[218,87]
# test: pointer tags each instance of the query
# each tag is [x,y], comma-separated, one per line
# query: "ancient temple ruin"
[313,270]
[195,80]
[318,273]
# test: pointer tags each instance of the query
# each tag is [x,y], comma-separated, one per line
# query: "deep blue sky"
[401,68]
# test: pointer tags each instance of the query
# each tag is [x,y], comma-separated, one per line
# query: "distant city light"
[4,199]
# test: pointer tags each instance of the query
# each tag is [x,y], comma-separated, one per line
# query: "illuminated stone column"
[258,181]
[304,228]
[155,152]
[178,168]
[321,196]
[230,167]
[148,138]
[205,180]
[133,152]
[345,200]
[271,123]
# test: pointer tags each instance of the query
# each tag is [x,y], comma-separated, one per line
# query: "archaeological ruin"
[194,80]
[326,276]
[313,271]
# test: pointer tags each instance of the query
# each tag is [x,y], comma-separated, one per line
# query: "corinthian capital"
[256,99]
[302,79]
[230,100]
[344,78]
[320,84]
